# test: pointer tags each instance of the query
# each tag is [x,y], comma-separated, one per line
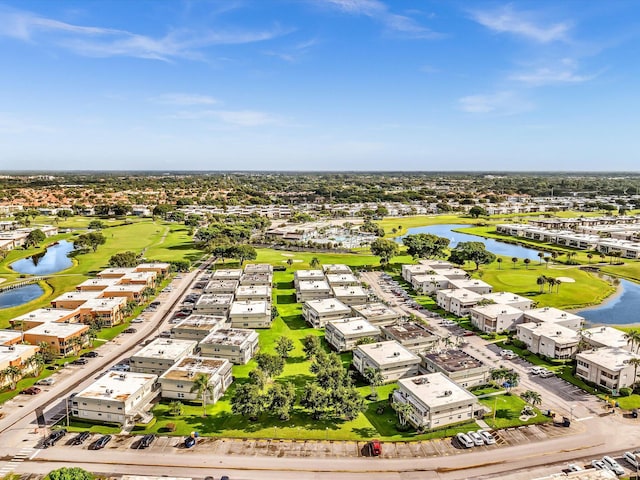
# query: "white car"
[536,370]
[598,465]
[476,438]
[487,437]
[572,467]
[46,381]
[464,440]
[510,356]
[631,458]
[612,465]
[546,373]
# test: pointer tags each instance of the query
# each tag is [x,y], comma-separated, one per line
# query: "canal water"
[621,310]
[20,295]
[53,260]
[494,246]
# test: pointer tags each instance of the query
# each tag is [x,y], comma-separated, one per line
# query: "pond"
[20,295]
[621,310]
[494,246]
[53,260]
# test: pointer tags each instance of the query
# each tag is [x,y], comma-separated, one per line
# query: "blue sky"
[319,85]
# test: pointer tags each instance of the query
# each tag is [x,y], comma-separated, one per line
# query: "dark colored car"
[80,361]
[146,441]
[54,437]
[224,477]
[101,442]
[189,442]
[91,354]
[130,330]
[80,438]
[31,391]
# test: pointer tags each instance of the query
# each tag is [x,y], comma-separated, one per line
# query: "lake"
[494,246]
[621,310]
[53,260]
[20,295]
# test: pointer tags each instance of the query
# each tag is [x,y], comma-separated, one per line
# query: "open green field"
[505,412]
[155,239]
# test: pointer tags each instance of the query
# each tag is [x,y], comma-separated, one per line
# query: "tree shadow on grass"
[286,299]
[284,285]
[506,414]
[295,322]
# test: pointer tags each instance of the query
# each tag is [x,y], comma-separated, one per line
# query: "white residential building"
[429,284]
[342,280]
[227,274]
[178,381]
[307,290]
[307,276]
[197,327]
[260,293]
[344,334]
[436,401]
[549,339]
[116,397]
[256,279]
[221,286]
[351,295]
[237,345]
[336,268]
[606,337]
[391,359]
[508,298]
[459,366]
[318,312]
[247,314]
[607,367]
[494,317]
[411,335]
[160,355]
[457,301]
[213,304]
[377,314]
[473,285]
[554,315]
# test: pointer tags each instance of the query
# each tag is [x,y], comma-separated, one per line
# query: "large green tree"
[70,473]
[34,238]
[203,388]
[248,401]
[472,252]
[385,249]
[425,245]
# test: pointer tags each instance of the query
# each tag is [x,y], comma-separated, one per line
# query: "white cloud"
[185,99]
[107,42]
[507,20]
[498,103]
[564,73]
[294,53]
[380,12]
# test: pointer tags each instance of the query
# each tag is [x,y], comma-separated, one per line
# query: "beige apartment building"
[64,339]
[237,345]
[177,382]
[459,366]
[247,314]
[45,315]
[391,359]
[160,355]
[318,312]
[213,304]
[377,314]
[197,327]
[343,335]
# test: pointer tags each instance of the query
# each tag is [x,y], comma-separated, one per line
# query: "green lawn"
[507,410]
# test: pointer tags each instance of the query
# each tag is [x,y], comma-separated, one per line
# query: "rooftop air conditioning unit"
[11,348]
[396,354]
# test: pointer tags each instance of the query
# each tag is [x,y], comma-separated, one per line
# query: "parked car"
[120,368]
[546,374]
[598,465]
[375,448]
[464,440]
[572,467]
[80,361]
[510,356]
[487,437]
[31,391]
[146,441]
[631,458]
[505,352]
[612,465]
[129,330]
[80,438]
[91,354]
[476,438]
[52,439]
[137,320]
[165,334]
[101,442]
[46,381]
[536,370]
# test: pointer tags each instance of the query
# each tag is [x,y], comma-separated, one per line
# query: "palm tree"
[11,374]
[175,407]
[540,256]
[375,379]
[526,263]
[289,261]
[511,380]
[514,260]
[203,388]
[541,281]
[633,338]
[602,257]
[570,255]
[589,256]
[36,363]
[552,283]
[314,263]
[403,410]
[558,282]
[46,351]
[554,255]
[499,260]
[635,362]
[532,397]
[546,261]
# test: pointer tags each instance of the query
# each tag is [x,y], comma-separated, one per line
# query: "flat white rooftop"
[551,315]
[258,268]
[462,295]
[167,348]
[230,336]
[308,275]
[187,368]
[350,291]
[59,330]
[214,299]
[558,333]
[436,390]
[8,336]
[47,315]
[375,310]
[228,273]
[116,271]
[12,353]
[436,264]
[201,322]
[250,308]
[224,283]
[130,287]
[108,303]
[246,290]
[327,305]
[313,286]
[613,359]
[469,283]
[156,265]
[606,336]
[342,278]
[98,282]
[139,276]
[336,268]
[494,310]
[118,386]
[354,326]
[78,296]
[506,297]
[385,353]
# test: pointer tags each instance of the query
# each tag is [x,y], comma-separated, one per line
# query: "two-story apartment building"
[549,339]
[377,314]
[64,339]
[351,295]
[318,312]
[197,327]
[213,304]
[414,336]
[237,345]
[391,359]
[307,290]
[178,381]
[459,366]
[344,334]
[160,355]
[247,314]
[494,317]
[607,367]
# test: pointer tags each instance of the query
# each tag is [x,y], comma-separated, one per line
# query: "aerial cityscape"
[319,239]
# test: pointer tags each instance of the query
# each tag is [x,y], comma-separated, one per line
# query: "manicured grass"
[79,426]
[629,403]
[507,410]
